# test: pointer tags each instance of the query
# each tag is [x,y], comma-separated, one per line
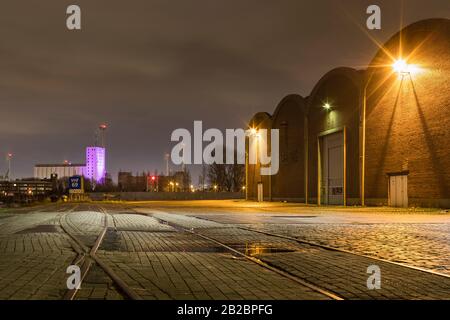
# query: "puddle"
[295,217]
[217,249]
[45,228]
[145,230]
[254,250]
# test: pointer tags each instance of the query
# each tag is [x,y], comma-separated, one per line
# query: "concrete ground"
[223,250]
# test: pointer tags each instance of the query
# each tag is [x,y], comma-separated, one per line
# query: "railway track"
[341,293]
[86,258]
[259,262]
[87,255]
[284,273]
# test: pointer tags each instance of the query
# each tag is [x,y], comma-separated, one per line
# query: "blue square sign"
[76,184]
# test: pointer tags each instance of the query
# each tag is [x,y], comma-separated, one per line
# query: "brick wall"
[289,118]
[408,118]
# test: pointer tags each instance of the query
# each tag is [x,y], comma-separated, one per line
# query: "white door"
[333,169]
[398,191]
[260,192]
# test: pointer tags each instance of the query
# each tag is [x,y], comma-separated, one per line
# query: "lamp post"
[251,133]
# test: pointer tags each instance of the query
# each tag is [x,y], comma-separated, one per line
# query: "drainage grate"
[112,240]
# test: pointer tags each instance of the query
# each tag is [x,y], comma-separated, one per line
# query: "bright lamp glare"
[327,106]
[400,66]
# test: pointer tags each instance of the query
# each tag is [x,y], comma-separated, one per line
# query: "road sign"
[76,184]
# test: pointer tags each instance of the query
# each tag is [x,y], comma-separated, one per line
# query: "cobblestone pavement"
[422,245]
[342,273]
[415,237]
[167,253]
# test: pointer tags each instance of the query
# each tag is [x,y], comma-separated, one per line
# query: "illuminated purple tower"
[95,164]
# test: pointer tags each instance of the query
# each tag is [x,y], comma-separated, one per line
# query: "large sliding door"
[332,169]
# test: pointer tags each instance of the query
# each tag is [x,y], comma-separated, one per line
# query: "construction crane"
[100,135]
[7,175]
[166,158]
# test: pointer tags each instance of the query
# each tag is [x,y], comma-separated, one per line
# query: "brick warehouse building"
[377,136]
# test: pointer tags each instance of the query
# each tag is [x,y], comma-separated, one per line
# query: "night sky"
[148,67]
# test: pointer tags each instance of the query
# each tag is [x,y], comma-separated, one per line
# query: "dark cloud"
[148,67]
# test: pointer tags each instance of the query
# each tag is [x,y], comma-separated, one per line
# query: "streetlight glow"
[327,106]
[401,67]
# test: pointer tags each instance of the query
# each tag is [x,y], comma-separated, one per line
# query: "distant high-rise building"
[95,164]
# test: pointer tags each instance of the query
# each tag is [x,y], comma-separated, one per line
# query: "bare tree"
[227,177]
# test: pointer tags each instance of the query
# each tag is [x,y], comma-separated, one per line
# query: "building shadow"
[384,150]
[435,162]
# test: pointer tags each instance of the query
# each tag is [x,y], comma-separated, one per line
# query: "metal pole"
[306,142]
[246,172]
[345,166]
[363,160]
[319,172]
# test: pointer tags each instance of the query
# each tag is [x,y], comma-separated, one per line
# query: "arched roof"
[353,75]
[295,98]
[428,25]
[259,118]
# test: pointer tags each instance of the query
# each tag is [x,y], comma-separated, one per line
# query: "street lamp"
[327,106]
[401,67]
[252,132]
